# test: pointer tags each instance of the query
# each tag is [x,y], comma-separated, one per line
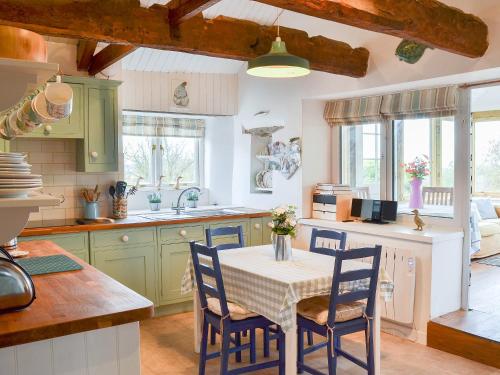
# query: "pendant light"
[278,63]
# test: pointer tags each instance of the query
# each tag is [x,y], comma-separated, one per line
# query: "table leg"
[291,346]
[198,321]
[376,333]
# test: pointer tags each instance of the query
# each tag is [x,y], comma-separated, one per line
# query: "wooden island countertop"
[71,302]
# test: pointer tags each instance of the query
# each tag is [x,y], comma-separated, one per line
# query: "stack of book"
[331,201]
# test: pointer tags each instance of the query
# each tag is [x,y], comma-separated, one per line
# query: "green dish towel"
[48,264]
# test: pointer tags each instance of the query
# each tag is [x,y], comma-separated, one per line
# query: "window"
[486,153]
[433,140]
[361,157]
[156,144]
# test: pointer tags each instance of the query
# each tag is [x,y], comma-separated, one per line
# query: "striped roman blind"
[160,125]
[436,102]
[354,111]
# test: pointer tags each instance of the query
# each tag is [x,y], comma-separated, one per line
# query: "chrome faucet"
[180,208]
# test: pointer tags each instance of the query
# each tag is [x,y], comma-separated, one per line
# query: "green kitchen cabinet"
[71,127]
[4,145]
[256,232]
[98,151]
[231,239]
[75,243]
[132,266]
[128,256]
[266,230]
[174,255]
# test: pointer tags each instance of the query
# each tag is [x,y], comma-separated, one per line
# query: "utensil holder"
[91,210]
[120,208]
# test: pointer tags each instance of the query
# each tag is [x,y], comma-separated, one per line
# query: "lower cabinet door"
[134,267]
[266,230]
[256,232]
[173,258]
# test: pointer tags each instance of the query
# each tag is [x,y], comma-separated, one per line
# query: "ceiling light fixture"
[278,63]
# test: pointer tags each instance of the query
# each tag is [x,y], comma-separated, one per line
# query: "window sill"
[445,212]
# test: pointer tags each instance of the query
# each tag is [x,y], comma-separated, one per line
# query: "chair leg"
[265,339]
[224,355]
[300,347]
[332,360]
[203,348]
[282,361]
[338,343]
[310,340]
[212,335]
[237,339]
[253,349]
[370,355]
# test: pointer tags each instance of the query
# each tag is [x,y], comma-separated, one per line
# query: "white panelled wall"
[209,94]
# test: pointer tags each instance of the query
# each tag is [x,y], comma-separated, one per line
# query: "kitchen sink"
[190,214]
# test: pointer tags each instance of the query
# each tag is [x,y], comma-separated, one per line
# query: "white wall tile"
[53,145]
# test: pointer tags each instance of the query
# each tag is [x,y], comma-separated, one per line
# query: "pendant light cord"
[279,12]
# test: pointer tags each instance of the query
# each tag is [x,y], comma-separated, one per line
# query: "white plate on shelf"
[17,193]
[20,183]
[15,165]
[6,175]
[14,154]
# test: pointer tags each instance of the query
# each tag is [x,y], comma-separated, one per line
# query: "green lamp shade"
[278,63]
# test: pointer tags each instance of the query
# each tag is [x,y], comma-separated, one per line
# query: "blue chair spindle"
[224,325]
[339,297]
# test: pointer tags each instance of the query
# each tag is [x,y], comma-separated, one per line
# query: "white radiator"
[400,265]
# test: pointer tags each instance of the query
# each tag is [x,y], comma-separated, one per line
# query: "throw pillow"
[486,208]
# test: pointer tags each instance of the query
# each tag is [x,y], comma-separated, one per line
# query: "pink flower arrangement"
[418,168]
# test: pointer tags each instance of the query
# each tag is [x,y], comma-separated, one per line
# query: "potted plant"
[417,170]
[192,198]
[155,201]
[284,223]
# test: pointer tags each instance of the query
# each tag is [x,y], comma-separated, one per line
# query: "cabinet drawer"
[182,234]
[121,237]
[75,243]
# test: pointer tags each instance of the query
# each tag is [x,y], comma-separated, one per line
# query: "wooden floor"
[167,349]
[473,334]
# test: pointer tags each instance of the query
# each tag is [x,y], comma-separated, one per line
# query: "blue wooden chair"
[221,314]
[314,248]
[343,312]
[226,231]
[327,235]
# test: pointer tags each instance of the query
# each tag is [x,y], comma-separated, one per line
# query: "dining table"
[256,281]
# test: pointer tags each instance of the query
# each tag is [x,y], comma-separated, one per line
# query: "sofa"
[488,222]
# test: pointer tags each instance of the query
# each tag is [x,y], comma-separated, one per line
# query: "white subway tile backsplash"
[55,160]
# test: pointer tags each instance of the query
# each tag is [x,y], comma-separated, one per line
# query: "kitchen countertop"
[49,227]
[71,302]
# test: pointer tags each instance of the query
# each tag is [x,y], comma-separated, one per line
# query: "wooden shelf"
[30,201]
[43,71]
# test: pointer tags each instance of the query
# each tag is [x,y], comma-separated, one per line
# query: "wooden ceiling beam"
[125,22]
[428,22]
[85,52]
[182,10]
[108,56]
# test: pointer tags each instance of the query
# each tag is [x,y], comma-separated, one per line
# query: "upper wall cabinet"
[98,150]
[71,127]
[190,93]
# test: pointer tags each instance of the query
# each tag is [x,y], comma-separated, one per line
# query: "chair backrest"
[438,196]
[325,247]
[361,192]
[357,293]
[203,270]
[226,231]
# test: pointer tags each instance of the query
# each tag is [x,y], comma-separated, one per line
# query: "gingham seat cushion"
[236,312]
[316,309]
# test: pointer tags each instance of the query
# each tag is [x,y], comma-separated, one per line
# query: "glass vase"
[282,244]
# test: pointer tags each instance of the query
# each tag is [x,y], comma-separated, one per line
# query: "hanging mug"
[59,99]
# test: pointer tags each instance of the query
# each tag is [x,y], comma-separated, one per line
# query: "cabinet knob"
[257,226]
[47,129]
[183,233]
[94,154]
[125,238]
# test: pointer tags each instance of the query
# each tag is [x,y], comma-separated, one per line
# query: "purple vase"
[416,200]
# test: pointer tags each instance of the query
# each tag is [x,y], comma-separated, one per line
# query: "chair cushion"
[489,227]
[236,312]
[316,309]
